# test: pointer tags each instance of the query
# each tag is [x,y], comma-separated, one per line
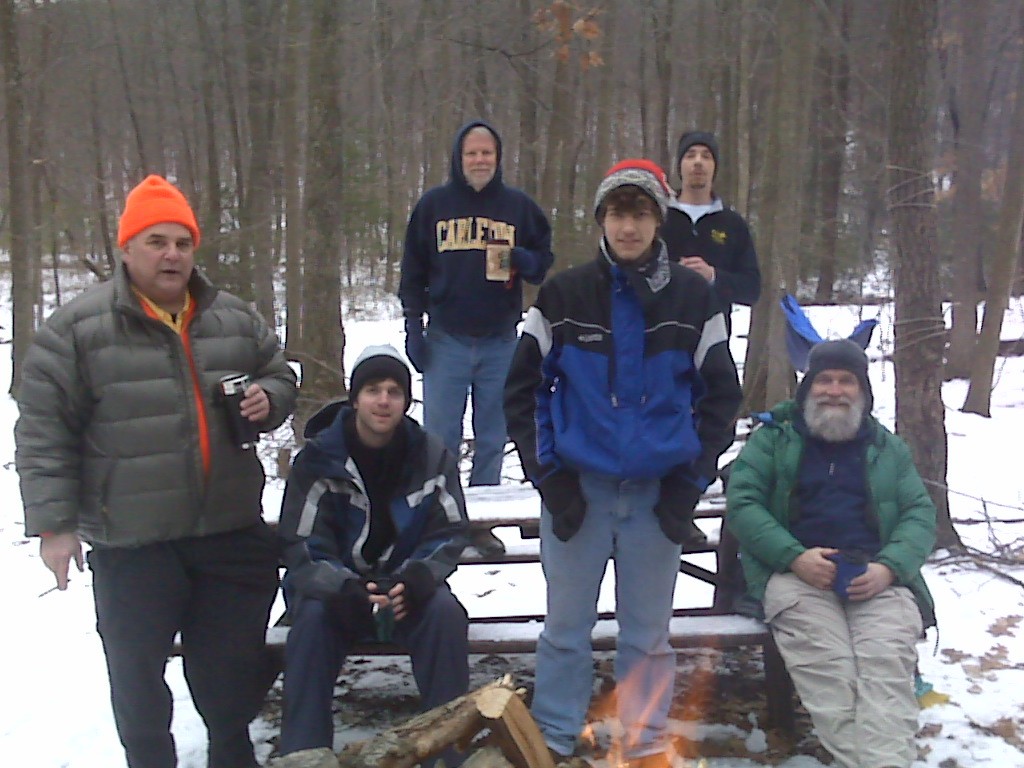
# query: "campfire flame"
[694,704]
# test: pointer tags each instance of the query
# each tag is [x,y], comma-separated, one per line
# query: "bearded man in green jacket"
[834,524]
[125,442]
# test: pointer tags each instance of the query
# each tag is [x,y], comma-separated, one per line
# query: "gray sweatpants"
[853,666]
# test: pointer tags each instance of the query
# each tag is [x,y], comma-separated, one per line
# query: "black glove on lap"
[420,585]
[350,607]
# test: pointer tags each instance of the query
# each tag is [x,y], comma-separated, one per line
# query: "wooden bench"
[711,626]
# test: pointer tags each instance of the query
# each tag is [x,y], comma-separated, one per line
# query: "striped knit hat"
[644,174]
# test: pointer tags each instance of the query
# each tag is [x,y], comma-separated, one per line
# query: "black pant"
[217,592]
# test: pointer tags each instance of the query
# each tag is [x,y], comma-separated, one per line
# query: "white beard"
[831,423]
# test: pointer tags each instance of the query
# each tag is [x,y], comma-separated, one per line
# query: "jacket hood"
[456,175]
[323,418]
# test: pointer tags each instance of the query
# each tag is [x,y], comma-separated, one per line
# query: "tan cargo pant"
[853,666]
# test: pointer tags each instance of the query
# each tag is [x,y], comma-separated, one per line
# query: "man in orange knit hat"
[125,441]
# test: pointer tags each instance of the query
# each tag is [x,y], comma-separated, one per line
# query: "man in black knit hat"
[834,524]
[373,523]
[703,233]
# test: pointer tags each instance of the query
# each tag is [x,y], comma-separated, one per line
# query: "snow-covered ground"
[55,709]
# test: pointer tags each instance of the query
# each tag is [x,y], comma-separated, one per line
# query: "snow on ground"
[56,710]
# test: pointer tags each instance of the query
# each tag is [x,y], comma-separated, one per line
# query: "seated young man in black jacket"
[373,523]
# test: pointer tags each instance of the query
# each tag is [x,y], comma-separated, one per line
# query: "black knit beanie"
[841,355]
[378,362]
[691,138]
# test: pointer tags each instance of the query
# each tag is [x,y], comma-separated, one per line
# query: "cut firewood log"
[488,757]
[515,730]
[453,724]
[307,758]
[513,741]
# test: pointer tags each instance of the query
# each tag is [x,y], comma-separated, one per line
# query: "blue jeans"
[457,365]
[620,525]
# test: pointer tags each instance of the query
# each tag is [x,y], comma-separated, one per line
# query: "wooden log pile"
[491,723]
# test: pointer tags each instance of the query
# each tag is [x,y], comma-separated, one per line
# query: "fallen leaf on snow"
[953,655]
[1004,626]
[930,730]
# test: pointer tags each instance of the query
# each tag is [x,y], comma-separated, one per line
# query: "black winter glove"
[415,343]
[674,509]
[350,607]
[419,585]
[561,494]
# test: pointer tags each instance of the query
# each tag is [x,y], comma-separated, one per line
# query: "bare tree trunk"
[18,189]
[291,132]
[394,206]
[919,331]
[99,180]
[793,105]
[967,111]
[144,160]
[605,105]
[1006,246]
[233,273]
[833,149]
[744,76]
[259,17]
[771,374]
[662,20]
[211,211]
[529,142]
[324,334]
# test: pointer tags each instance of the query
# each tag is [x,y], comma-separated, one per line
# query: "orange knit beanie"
[155,201]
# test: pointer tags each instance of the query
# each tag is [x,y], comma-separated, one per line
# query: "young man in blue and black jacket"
[373,522]
[620,399]
[473,310]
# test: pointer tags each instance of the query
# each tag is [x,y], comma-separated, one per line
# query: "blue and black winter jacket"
[624,374]
[325,515]
[444,267]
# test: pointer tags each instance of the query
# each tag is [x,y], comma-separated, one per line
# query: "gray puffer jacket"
[108,437]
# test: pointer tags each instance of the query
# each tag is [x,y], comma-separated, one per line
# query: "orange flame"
[694,706]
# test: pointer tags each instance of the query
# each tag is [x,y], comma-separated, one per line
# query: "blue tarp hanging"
[801,335]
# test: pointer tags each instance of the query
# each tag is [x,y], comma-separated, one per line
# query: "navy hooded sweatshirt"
[443,267]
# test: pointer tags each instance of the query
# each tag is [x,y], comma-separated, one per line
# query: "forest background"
[876,146]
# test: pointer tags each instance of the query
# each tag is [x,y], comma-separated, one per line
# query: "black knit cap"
[692,138]
[840,355]
[376,363]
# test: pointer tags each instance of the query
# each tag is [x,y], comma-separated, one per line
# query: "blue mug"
[849,565]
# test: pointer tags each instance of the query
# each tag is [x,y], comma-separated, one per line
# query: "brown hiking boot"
[486,543]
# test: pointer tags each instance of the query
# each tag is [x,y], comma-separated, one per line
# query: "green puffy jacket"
[762,504]
[108,439]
